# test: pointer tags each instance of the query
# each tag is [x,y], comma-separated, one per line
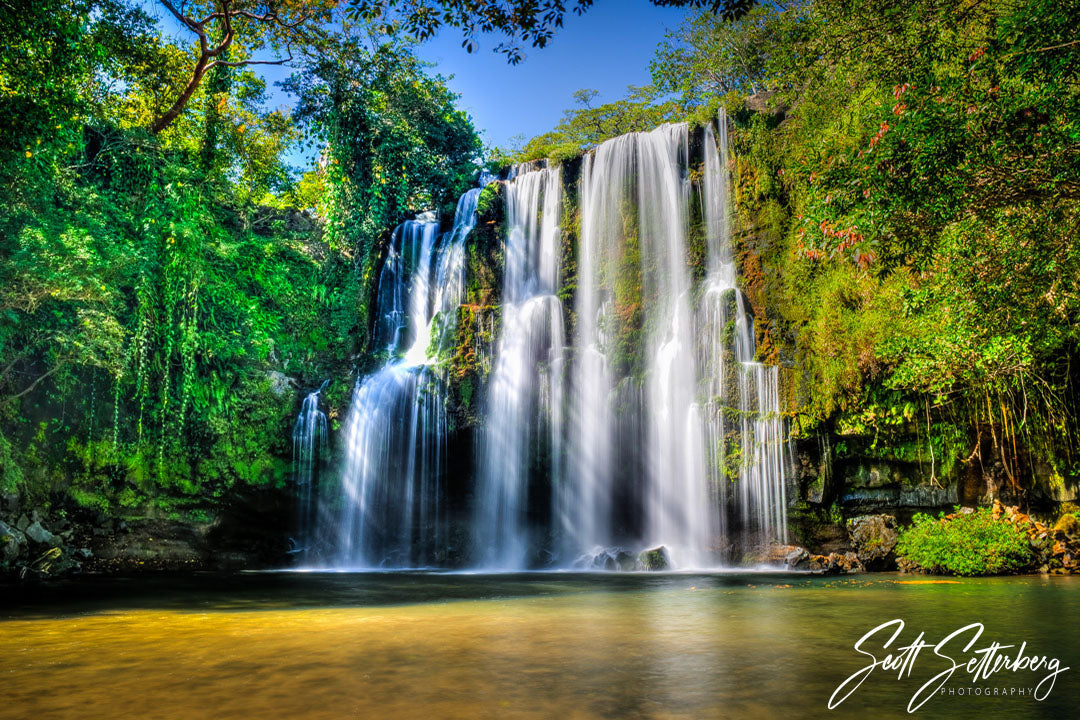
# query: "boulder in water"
[625,561]
[773,554]
[847,562]
[615,559]
[655,559]
[796,558]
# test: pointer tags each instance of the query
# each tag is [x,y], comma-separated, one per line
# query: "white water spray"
[523,423]
[395,433]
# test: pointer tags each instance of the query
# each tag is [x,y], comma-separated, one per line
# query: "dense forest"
[165,291]
[907,187]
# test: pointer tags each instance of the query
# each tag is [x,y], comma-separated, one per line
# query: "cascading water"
[671,423]
[309,449]
[523,423]
[741,409]
[635,334]
[651,424]
[395,433]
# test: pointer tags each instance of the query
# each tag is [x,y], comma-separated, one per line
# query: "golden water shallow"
[689,648]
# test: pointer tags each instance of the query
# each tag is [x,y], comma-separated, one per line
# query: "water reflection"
[451,646]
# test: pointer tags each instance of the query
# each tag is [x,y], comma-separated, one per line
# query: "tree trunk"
[193,84]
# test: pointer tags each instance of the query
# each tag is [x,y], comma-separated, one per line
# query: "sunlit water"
[404,645]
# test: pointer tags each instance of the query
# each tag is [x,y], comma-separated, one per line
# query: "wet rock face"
[36,546]
[796,557]
[874,537]
[834,563]
[35,543]
[1056,547]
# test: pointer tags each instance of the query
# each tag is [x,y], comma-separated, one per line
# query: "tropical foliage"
[164,297]
[913,166]
[909,175]
[586,125]
[394,144]
[907,179]
[971,543]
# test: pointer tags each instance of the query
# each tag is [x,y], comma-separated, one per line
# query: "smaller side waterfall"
[743,427]
[393,480]
[522,434]
[309,451]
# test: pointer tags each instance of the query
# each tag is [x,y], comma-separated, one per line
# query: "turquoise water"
[431,645]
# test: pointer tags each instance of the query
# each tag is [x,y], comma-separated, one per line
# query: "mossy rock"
[874,538]
[654,560]
[485,256]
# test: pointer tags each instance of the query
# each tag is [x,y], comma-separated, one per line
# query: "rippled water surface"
[428,645]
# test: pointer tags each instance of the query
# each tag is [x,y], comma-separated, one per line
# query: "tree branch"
[1042,50]
[194,26]
[8,368]
[207,54]
[34,384]
[243,63]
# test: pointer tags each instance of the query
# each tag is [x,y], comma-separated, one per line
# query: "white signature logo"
[980,664]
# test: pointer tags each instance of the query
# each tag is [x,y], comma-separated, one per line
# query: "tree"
[586,125]
[223,24]
[521,21]
[705,59]
[395,144]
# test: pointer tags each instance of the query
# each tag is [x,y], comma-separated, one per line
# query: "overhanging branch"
[208,55]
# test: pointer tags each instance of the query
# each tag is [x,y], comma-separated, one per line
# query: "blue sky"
[606,49]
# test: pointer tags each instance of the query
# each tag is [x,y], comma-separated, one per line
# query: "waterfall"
[523,415]
[309,450]
[742,422]
[393,495]
[643,481]
[674,431]
[637,418]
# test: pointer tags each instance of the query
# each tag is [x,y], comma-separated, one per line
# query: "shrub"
[965,544]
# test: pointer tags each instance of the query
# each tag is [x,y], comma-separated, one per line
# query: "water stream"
[392,511]
[309,451]
[525,392]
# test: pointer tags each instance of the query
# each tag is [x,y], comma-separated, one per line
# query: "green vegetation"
[907,178]
[166,295]
[395,144]
[587,125]
[971,543]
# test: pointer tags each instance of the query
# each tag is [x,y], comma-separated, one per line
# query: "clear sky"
[606,49]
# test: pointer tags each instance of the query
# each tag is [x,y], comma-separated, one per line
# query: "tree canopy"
[520,22]
[231,32]
[162,294]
